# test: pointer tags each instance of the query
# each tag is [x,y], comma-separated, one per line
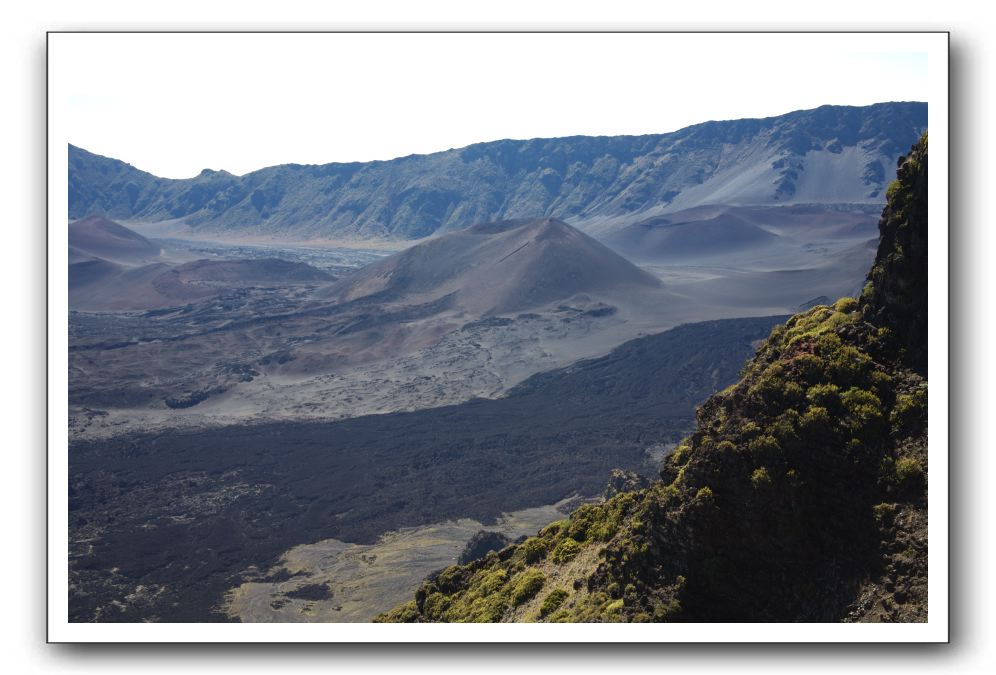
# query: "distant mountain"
[829,155]
[498,267]
[97,237]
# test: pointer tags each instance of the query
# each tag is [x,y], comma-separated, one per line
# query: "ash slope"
[801,495]
[97,237]
[744,237]
[664,238]
[499,267]
[829,155]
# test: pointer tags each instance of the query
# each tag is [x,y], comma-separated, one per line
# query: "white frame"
[934,44]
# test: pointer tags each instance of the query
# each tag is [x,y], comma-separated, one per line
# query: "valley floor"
[267,454]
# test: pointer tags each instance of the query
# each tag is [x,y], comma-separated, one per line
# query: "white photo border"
[935,630]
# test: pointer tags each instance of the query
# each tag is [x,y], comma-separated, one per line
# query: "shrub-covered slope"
[801,496]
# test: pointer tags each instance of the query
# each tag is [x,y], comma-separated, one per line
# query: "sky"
[174,104]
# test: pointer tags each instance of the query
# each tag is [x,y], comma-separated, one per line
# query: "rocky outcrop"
[896,294]
[481,544]
[621,480]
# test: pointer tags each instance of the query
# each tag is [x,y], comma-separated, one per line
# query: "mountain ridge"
[776,160]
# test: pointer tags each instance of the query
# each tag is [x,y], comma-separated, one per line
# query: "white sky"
[173,104]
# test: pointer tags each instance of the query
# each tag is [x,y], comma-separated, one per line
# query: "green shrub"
[670,495]
[792,393]
[450,578]
[808,367]
[765,448]
[816,423]
[435,604]
[760,478]
[893,191]
[614,607]
[533,549]
[884,513]
[846,305]
[867,292]
[666,611]
[881,381]
[784,427]
[527,585]
[553,529]
[828,345]
[817,322]
[566,551]
[491,581]
[681,454]
[600,522]
[769,384]
[824,395]
[908,468]
[484,610]
[553,601]
[855,397]
[406,613]
[909,414]
[582,520]
[864,410]
[848,366]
